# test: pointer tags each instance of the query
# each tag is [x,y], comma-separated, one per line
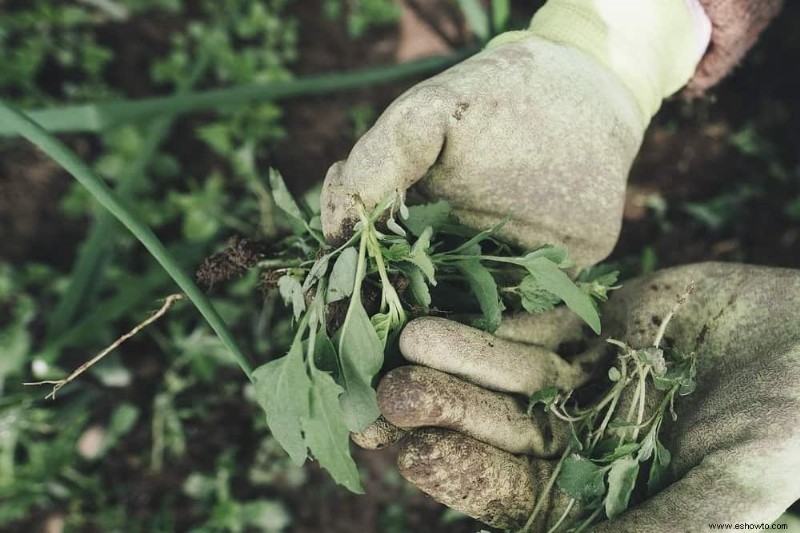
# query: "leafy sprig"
[599,468]
[323,388]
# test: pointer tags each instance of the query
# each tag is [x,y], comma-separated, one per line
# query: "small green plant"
[600,466]
[350,302]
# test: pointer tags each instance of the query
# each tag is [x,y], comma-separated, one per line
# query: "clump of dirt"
[240,256]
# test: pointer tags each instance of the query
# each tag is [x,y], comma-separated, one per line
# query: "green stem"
[100,191]
[97,117]
[546,490]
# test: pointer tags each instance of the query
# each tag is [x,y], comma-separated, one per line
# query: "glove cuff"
[651,45]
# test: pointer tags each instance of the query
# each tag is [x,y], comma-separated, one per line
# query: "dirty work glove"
[735,443]
[736,27]
[542,125]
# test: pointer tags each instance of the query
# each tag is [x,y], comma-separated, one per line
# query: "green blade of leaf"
[282,389]
[556,281]
[621,480]
[482,236]
[292,294]
[419,288]
[432,215]
[285,201]
[419,255]
[326,433]
[360,357]
[343,276]
[535,299]
[581,479]
[483,286]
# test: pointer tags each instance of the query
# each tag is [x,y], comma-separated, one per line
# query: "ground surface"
[717,179]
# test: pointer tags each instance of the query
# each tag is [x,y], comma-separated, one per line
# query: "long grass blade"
[97,117]
[54,148]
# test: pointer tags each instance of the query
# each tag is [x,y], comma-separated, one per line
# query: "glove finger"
[393,155]
[378,435]
[472,477]
[558,330]
[415,396]
[486,360]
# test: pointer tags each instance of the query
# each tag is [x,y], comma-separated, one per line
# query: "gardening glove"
[734,445]
[736,27]
[542,126]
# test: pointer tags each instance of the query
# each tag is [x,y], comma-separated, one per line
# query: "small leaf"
[556,281]
[545,396]
[620,451]
[292,294]
[360,358]
[282,389]
[382,322]
[581,479]
[484,288]
[419,288]
[648,444]
[343,276]
[654,357]
[535,299]
[614,374]
[660,475]
[284,200]
[318,269]
[326,433]
[621,480]
[395,228]
[397,251]
[419,255]
[420,217]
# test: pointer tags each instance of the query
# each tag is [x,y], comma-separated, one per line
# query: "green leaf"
[480,237]
[581,479]
[343,276]
[535,299]
[395,228]
[282,389]
[326,432]
[648,445]
[483,286]
[556,254]
[659,475]
[419,255]
[556,281]
[292,294]
[422,216]
[546,396]
[621,480]
[614,374]
[318,269]
[360,358]
[285,201]
[325,357]
[476,17]
[620,451]
[596,281]
[397,251]
[382,322]
[419,288]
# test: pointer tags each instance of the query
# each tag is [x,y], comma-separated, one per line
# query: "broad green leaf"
[419,255]
[483,286]
[292,294]
[556,281]
[326,432]
[285,201]
[282,389]
[422,216]
[419,288]
[343,276]
[535,299]
[581,479]
[360,358]
[621,480]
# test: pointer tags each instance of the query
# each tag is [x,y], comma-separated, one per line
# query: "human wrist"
[652,46]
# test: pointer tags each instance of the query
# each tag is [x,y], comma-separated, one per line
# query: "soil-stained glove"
[735,443]
[737,25]
[542,125]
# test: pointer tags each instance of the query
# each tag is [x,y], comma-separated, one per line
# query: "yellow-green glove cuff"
[651,45]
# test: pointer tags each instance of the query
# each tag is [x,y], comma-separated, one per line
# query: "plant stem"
[100,191]
[547,489]
[563,516]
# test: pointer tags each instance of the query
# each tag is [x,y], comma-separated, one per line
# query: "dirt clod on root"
[240,256]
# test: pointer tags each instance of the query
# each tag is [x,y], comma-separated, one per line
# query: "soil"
[686,157]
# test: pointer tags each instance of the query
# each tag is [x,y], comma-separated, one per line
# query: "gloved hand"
[735,443]
[543,125]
